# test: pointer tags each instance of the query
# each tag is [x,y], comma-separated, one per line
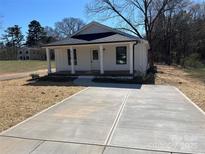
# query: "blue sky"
[47,12]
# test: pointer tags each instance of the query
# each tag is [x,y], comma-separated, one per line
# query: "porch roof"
[96,38]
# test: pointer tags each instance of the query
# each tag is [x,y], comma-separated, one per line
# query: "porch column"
[131,57]
[48,60]
[101,60]
[72,60]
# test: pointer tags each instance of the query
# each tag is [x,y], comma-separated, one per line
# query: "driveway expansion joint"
[54,141]
[37,147]
[150,150]
[79,143]
[115,123]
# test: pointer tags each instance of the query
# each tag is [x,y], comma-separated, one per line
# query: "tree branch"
[127,29]
[128,22]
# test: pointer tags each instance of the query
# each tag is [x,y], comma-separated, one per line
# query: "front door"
[95,63]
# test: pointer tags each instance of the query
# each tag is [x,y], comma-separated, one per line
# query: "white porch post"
[131,58]
[72,60]
[101,60]
[48,60]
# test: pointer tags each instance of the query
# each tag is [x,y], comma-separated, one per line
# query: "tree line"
[175,29]
[180,36]
[38,35]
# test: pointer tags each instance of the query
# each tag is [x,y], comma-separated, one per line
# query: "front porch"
[93,59]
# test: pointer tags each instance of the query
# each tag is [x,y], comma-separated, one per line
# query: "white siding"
[110,59]
[61,60]
[84,58]
[141,59]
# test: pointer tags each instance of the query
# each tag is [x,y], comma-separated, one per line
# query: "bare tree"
[68,26]
[51,32]
[139,16]
[179,35]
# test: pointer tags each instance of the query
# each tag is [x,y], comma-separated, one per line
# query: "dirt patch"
[20,100]
[175,76]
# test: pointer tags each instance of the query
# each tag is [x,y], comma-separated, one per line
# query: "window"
[69,56]
[27,57]
[121,55]
[26,52]
[95,54]
[20,52]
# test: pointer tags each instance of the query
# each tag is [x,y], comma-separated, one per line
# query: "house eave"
[88,43]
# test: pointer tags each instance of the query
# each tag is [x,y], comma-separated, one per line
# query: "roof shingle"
[107,37]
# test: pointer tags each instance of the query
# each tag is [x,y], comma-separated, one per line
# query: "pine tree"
[36,34]
[13,36]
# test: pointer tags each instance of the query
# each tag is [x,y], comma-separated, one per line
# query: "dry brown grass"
[19,66]
[193,87]
[19,100]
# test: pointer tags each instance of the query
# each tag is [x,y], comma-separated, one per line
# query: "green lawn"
[197,73]
[17,66]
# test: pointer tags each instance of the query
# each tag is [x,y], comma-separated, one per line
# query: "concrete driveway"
[145,120]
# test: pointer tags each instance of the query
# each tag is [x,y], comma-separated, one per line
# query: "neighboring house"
[8,54]
[97,48]
[26,53]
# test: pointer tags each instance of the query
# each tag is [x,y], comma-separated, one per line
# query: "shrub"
[149,78]
[152,69]
[139,79]
[193,61]
[34,76]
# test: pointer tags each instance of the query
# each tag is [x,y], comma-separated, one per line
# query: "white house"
[97,48]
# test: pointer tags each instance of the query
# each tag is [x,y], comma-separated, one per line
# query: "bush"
[34,76]
[149,78]
[193,61]
[152,69]
[138,79]
[57,78]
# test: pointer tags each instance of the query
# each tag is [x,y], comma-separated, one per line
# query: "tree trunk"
[168,55]
[151,56]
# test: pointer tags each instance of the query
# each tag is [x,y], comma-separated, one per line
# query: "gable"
[97,28]
[96,33]
[94,28]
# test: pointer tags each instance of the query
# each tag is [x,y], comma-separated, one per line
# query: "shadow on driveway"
[75,81]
